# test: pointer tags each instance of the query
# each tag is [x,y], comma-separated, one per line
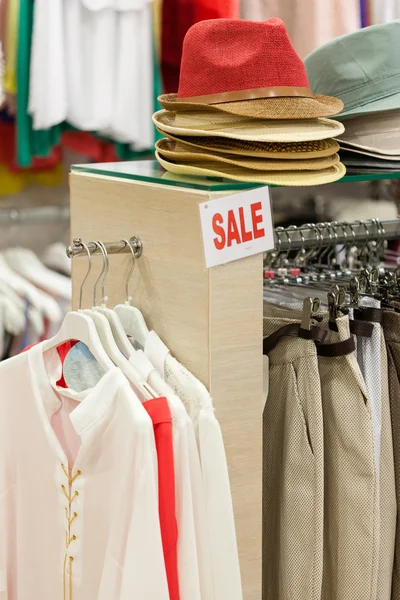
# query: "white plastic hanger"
[117,329]
[26,263]
[47,305]
[140,386]
[34,316]
[13,316]
[130,317]
[78,326]
[54,258]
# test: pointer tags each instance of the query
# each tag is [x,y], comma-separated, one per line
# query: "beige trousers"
[293,477]
[351,519]
[357,558]
[391,327]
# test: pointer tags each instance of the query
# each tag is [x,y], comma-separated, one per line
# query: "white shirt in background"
[133,103]
[90,38]
[48,86]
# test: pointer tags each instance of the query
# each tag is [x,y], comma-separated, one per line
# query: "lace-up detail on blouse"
[71,516]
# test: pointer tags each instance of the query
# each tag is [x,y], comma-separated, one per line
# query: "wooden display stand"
[211,319]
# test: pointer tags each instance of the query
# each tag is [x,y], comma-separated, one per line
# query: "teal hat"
[361,68]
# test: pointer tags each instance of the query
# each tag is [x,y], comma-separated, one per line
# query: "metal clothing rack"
[39,215]
[81,249]
[313,235]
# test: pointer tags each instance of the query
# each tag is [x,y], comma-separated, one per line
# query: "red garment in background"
[177,17]
[160,414]
[81,142]
[89,145]
[8,152]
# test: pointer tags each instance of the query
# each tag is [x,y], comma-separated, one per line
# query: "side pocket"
[300,409]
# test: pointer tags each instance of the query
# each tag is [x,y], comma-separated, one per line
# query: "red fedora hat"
[246,68]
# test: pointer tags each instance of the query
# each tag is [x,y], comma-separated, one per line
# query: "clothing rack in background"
[35,227]
[34,215]
[328,234]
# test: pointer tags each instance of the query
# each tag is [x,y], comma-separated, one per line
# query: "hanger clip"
[310,307]
[333,307]
[354,290]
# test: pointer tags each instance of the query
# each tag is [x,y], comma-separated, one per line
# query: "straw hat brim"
[286,178]
[205,124]
[288,151]
[286,107]
[179,152]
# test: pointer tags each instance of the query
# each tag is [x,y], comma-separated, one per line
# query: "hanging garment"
[157,18]
[391,326]
[189,505]
[293,468]
[351,552]
[2,94]
[341,378]
[90,39]
[384,11]
[48,85]
[310,23]
[368,353]
[160,414]
[193,549]
[11,41]
[175,477]
[372,360]
[131,118]
[387,488]
[71,477]
[30,143]
[220,544]
[8,151]
[3,19]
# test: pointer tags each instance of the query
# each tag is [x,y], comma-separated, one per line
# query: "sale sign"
[236,226]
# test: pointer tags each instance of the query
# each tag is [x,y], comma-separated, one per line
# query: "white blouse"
[91,527]
[194,557]
[220,541]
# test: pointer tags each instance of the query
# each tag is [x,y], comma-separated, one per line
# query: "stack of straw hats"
[363,70]
[245,110]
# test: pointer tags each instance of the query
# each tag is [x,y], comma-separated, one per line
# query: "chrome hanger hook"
[284,256]
[128,298]
[277,249]
[325,226]
[331,259]
[300,254]
[102,272]
[365,248]
[382,239]
[78,242]
[313,252]
[105,276]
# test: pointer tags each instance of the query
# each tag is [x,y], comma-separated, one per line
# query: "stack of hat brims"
[363,70]
[276,135]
